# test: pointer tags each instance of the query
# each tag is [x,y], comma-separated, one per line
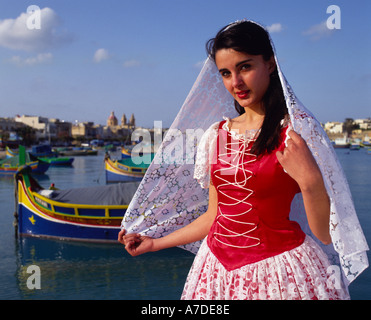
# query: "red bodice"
[254,199]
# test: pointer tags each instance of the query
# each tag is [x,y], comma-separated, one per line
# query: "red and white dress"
[253,250]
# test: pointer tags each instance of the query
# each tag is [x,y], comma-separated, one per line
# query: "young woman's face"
[245,76]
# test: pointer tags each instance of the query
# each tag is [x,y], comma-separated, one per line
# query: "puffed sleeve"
[204,156]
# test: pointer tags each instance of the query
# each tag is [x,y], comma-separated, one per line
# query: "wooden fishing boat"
[76,151]
[341,142]
[10,153]
[53,161]
[91,214]
[58,161]
[354,146]
[43,150]
[128,169]
[11,165]
[126,152]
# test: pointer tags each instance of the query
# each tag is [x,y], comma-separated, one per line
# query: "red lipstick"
[243,94]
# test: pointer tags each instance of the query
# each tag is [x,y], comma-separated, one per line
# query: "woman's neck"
[250,120]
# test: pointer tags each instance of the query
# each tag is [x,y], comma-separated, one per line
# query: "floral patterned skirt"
[301,274]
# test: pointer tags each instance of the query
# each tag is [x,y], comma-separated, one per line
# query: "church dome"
[112,120]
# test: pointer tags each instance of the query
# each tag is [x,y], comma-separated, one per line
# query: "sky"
[87,58]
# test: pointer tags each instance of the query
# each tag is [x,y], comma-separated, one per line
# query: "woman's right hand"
[121,235]
[135,243]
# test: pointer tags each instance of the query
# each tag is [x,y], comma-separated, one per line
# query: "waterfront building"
[364,124]
[8,125]
[333,127]
[86,130]
[45,130]
[63,128]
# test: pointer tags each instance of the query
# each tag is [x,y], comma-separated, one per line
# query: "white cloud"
[318,31]
[100,55]
[30,61]
[275,27]
[14,33]
[131,63]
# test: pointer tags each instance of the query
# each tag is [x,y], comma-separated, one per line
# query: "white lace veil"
[169,197]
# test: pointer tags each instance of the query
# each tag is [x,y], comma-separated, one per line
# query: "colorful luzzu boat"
[91,214]
[127,169]
[125,152]
[57,161]
[11,165]
[53,161]
[10,153]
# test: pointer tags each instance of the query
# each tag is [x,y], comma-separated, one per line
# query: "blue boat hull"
[32,224]
[41,168]
[36,167]
[114,177]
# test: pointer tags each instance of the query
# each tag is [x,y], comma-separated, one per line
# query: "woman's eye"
[245,66]
[225,73]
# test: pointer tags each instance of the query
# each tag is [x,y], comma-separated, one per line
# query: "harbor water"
[74,270]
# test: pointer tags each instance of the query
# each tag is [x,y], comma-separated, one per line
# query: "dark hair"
[252,39]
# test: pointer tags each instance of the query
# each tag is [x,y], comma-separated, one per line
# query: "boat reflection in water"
[78,270]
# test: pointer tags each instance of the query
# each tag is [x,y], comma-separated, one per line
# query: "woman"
[254,165]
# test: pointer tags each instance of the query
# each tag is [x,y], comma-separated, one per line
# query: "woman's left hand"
[298,162]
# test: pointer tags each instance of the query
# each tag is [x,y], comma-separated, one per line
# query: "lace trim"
[248,135]
[205,151]
[253,133]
